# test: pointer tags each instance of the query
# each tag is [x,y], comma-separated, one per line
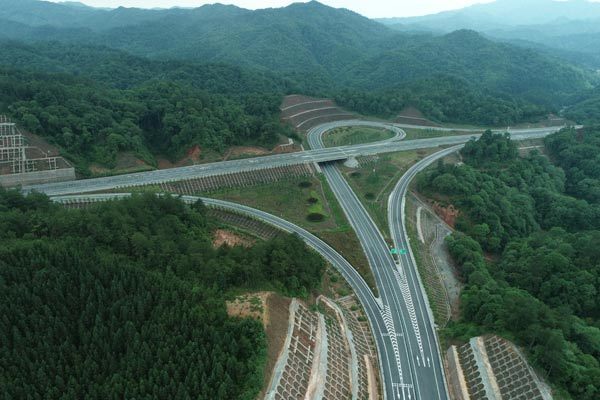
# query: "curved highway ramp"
[400,319]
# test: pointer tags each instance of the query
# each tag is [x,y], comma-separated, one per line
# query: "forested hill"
[119,69]
[300,37]
[569,29]
[304,36]
[157,82]
[93,123]
[334,45]
[502,14]
[497,67]
[585,107]
[95,102]
[127,300]
[539,224]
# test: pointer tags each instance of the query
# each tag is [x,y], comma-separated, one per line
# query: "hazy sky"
[369,8]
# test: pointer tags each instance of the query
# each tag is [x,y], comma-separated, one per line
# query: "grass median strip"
[294,200]
[412,133]
[352,135]
[376,177]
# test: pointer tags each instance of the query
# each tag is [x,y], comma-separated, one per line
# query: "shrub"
[315,217]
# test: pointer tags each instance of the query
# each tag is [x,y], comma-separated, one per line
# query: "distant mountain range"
[74,73]
[570,29]
[331,47]
[502,14]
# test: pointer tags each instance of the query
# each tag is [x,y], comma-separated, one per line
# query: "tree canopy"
[540,280]
[92,123]
[443,98]
[126,300]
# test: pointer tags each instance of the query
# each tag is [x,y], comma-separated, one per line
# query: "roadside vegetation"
[424,254]
[300,200]
[412,133]
[309,203]
[528,234]
[376,177]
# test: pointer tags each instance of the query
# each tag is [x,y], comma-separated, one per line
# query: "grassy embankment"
[374,180]
[412,133]
[355,135]
[309,203]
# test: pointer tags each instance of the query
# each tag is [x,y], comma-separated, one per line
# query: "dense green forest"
[585,107]
[122,70]
[579,157]
[568,29]
[308,38]
[95,102]
[527,245]
[156,82]
[495,67]
[92,122]
[444,98]
[126,300]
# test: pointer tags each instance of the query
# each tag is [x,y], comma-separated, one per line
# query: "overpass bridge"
[267,162]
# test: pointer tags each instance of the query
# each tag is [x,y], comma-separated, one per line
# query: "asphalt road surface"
[257,163]
[401,320]
[400,372]
[413,369]
[371,305]
[430,371]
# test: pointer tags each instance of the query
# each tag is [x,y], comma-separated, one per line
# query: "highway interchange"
[258,163]
[400,318]
[412,366]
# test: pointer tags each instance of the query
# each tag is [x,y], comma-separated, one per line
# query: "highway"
[415,365]
[401,321]
[250,164]
[401,371]
[412,286]
[371,305]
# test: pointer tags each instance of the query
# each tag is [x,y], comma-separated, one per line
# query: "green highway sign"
[395,251]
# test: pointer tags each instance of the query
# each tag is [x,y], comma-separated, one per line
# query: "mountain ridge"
[323,48]
[565,26]
[509,13]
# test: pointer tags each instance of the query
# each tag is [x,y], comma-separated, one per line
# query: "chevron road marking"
[405,289]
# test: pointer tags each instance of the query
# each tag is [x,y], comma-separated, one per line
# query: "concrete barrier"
[32,178]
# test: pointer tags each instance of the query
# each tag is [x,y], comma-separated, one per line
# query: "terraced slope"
[490,367]
[304,112]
